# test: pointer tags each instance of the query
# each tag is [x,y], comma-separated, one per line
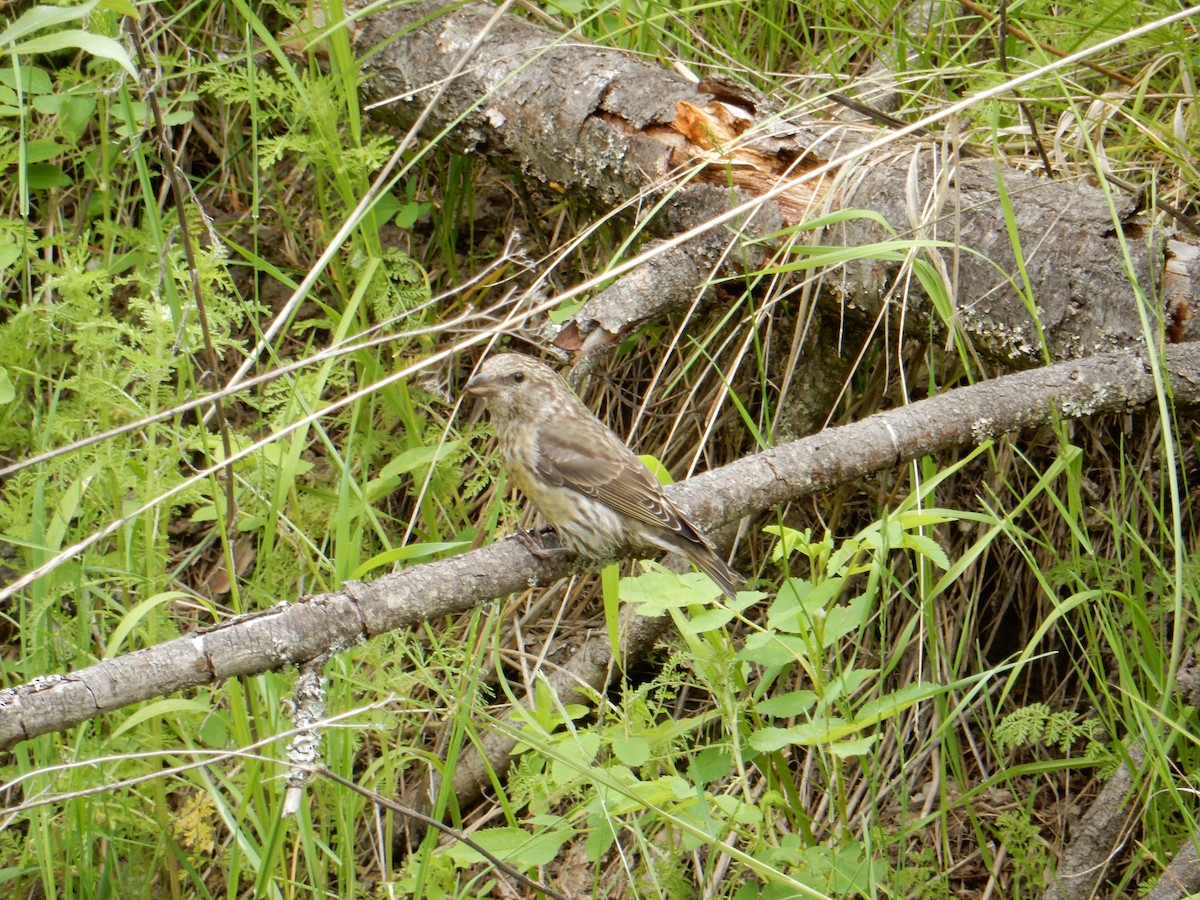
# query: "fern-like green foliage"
[1037,723]
[96,348]
[402,287]
[1025,845]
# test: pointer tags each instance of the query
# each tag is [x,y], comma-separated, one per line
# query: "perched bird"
[593,489]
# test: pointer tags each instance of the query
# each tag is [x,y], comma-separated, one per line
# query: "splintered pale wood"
[610,127]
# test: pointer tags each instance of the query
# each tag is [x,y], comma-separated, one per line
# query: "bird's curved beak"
[481,386]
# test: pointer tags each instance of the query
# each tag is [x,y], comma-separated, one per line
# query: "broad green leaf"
[656,468]
[920,518]
[167,709]
[515,846]
[632,751]
[410,213]
[577,751]
[40,150]
[95,44]
[408,552]
[121,7]
[793,703]
[276,455]
[658,590]
[822,731]
[821,595]
[565,310]
[39,17]
[769,649]
[178,117]
[49,104]
[31,79]
[784,613]
[800,602]
[132,117]
[737,810]
[707,620]
[44,176]
[709,765]
[214,731]
[847,683]
[842,619]
[928,548]
[132,618]
[418,458]
[76,115]
[857,747]
[385,207]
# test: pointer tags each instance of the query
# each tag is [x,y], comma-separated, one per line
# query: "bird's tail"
[707,561]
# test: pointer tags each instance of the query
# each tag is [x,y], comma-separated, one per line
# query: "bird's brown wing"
[593,461]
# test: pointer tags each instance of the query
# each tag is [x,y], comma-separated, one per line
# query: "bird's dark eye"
[518,377]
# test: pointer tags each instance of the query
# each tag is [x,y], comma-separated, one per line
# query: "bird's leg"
[536,542]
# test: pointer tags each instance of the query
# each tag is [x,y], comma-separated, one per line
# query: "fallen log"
[1026,268]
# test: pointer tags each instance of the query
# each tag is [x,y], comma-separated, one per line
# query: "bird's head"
[517,387]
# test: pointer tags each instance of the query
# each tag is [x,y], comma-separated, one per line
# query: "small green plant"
[921,878]
[1026,848]
[1038,724]
[791,686]
[812,616]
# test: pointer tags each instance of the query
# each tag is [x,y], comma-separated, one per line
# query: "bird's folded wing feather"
[594,462]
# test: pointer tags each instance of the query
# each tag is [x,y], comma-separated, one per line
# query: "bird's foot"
[543,543]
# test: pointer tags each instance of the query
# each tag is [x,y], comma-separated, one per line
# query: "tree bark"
[612,128]
[1098,836]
